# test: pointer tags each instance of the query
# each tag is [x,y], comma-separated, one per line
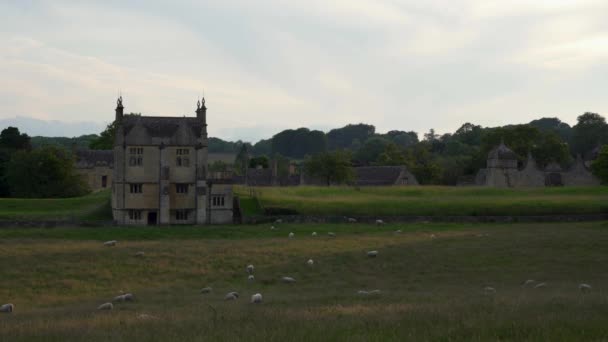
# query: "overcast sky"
[267,65]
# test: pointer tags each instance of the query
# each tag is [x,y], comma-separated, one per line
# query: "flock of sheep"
[257,297]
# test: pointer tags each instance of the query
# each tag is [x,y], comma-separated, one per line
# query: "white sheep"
[528,282]
[140,254]
[314,234]
[368,293]
[278,221]
[398,231]
[372,254]
[363,292]
[256,298]
[7,308]
[250,269]
[379,222]
[127,297]
[206,290]
[433,236]
[105,306]
[374,292]
[584,287]
[331,234]
[291,235]
[231,296]
[489,289]
[310,262]
[272,228]
[288,280]
[352,220]
[540,285]
[110,243]
[251,277]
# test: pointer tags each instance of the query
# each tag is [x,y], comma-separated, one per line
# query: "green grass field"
[434,201]
[92,207]
[431,276]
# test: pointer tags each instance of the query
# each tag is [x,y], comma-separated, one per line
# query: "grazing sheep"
[146,317]
[7,308]
[250,269]
[140,254]
[251,277]
[206,290]
[288,280]
[331,234]
[105,306]
[584,287]
[352,220]
[278,221]
[310,262]
[231,296]
[272,228]
[291,235]
[110,243]
[368,293]
[489,289]
[540,285]
[372,254]
[256,298]
[127,297]
[314,234]
[398,231]
[363,293]
[433,236]
[379,222]
[528,282]
[374,292]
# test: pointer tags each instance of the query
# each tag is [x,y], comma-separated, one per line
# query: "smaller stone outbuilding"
[95,167]
[502,172]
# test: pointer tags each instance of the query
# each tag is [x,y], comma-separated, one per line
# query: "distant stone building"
[95,167]
[502,171]
[160,172]
[373,176]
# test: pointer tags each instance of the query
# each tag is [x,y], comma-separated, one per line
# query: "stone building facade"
[160,172]
[502,171]
[95,167]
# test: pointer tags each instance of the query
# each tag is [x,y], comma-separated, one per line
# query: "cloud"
[273,64]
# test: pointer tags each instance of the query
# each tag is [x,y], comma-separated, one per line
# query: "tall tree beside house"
[392,156]
[332,167]
[11,141]
[46,172]
[599,167]
[299,143]
[345,137]
[590,130]
[422,164]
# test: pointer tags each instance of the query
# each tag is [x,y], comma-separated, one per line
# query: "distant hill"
[52,128]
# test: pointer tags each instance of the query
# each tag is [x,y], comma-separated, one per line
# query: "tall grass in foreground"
[431,276]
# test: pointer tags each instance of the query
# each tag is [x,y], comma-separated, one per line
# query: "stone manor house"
[159,171]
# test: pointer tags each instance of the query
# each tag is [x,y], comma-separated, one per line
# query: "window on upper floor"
[217,200]
[182,158]
[136,156]
[181,188]
[136,188]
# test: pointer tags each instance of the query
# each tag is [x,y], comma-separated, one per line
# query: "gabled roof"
[378,175]
[91,158]
[502,152]
[162,126]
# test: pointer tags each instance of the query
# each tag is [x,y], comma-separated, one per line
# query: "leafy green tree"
[401,138]
[343,138]
[105,141]
[599,167]
[260,161]
[371,150]
[219,166]
[392,156]
[298,143]
[262,147]
[11,138]
[421,163]
[590,130]
[562,129]
[332,167]
[47,172]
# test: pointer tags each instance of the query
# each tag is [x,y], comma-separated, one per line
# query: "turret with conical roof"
[502,157]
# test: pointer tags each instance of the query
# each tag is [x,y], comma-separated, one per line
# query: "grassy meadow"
[433,200]
[95,206]
[431,276]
